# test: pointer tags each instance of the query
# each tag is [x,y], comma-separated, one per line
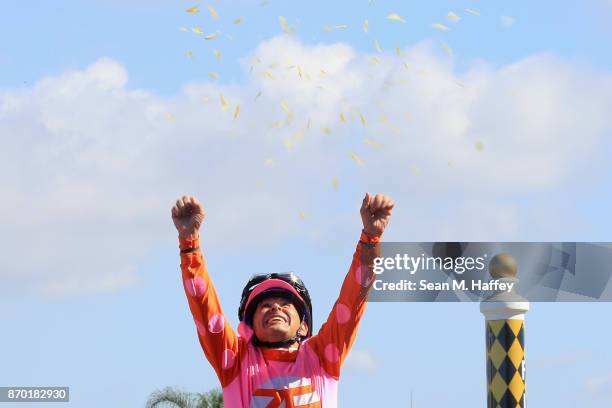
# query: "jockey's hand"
[375,213]
[188,216]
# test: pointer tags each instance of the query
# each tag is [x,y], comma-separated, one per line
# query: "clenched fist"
[375,213]
[188,216]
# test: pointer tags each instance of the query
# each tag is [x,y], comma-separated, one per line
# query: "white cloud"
[361,360]
[90,167]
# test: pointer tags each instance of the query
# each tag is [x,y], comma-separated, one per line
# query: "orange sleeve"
[337,334]
[217,338]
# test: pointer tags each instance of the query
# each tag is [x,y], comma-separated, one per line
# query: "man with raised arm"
[275,360]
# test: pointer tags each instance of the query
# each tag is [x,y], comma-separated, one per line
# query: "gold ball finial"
[503,266]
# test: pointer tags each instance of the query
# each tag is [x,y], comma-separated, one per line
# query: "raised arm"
[337,334]
[217,338]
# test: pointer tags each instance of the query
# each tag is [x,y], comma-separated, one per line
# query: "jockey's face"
[277,319]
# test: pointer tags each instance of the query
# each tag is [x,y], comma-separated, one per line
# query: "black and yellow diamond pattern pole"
[505,337]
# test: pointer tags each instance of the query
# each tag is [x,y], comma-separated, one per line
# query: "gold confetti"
[267,74]
[377,46]
[211,36]
[446,49]
[224,104]
[342,118]
[258,95]
[302,215]
[197,30]
[323,72]
[335,183]
[452,17]
[363,120]
[398,51]
[183,29]
[283,23]
[285,107]
[205,99]
[213,75]
[414,170]
[213,12]
[341,27]
[356,159]
[396,17]
[193,10]
[326,130]
[480,146]
[189,54]
[372,143]
[374,60]
[328,29]
[472,11]
[217,54]
[289,144]
[236,112]
[439,26]
[276,124]
[366,25]
[237,20]
[268,162]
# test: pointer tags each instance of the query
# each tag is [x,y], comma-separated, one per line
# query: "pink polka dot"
[229,358]
[216,323]
[343,313]
[332,354]
[195,286]
[201,327]
[362,278]
[245,331]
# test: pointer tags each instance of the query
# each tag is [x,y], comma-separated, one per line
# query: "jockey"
[275,360]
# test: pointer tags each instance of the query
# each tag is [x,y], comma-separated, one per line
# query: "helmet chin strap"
[277,344]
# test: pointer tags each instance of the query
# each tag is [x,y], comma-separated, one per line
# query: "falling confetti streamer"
[452,17]
[326,130]
[372,143]
[289,144]
[335,183]
[374,60]
[398,51]
[205,99]
[396,17]
[472,11]
[328,29]
[480,146]
[258,95]
[193,10]
[415,170]
[236,112]
[341,27]
[302,215]
[237,20]
[439,26]
[363,120]
[284,26]
[406,65]
[448,50]
[189,54]
[213,12]
[276,124]
[197,30]
[366,26]
[342,117]
[285,107]
[217,54]
[377,47]
[213,75]
[224,104]
[183,29]
[268,162]
[211,36]
[356,159]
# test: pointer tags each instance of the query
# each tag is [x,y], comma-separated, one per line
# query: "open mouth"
[276,319]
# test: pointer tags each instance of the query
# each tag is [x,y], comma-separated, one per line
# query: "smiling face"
[277,319]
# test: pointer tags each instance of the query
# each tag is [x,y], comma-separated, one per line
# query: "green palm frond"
[173,398]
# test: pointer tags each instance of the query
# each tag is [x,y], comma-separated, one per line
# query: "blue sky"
[104,121]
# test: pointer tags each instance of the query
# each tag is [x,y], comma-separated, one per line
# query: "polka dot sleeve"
[338,333]
[216,336]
